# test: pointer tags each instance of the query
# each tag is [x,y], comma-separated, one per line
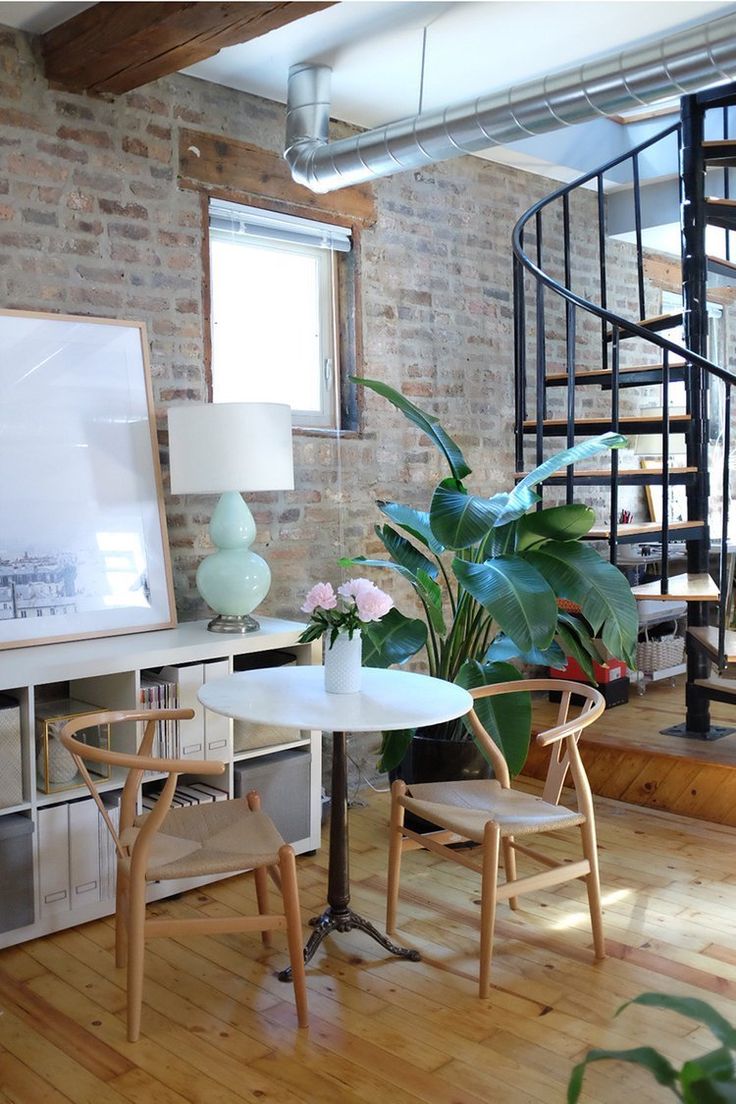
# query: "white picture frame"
[83,544]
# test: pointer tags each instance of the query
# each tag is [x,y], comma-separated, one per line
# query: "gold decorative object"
[55,768]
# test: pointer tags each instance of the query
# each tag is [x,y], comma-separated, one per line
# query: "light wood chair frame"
[132,926]
[565,756]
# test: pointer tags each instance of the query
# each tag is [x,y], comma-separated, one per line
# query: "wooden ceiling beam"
[115,47]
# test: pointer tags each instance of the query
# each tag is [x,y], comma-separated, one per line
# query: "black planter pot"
[433,758]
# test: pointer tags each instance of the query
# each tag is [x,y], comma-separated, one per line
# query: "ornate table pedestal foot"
[346,920]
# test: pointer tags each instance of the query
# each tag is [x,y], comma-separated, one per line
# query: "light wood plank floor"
[218,1028]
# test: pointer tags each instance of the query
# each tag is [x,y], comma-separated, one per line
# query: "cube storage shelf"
[54,855]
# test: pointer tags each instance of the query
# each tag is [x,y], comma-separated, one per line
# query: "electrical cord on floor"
[355,800]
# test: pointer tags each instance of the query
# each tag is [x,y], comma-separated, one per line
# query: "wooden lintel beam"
[228,165]
[115,47]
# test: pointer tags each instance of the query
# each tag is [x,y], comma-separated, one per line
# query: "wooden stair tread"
[707,637]
[721,212]
[684,588]
[656,322]
[724,685]
[606,373]
[636,528]
[721,262]
[675,419]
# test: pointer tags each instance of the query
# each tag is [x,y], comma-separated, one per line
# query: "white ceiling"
[375,50]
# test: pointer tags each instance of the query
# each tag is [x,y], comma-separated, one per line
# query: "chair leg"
[294,933]
[593,885]
[396,836]
[509,866]
[136,950]
[121,918]
[489,886]
[260,875]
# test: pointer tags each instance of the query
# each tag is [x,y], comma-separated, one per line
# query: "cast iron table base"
[338,916]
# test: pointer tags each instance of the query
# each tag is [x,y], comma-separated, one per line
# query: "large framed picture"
[83,545]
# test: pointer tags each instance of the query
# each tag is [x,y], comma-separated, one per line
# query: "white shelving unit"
[106,672]
[658,613]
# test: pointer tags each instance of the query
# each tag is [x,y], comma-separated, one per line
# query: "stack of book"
[160,691]
[190,793]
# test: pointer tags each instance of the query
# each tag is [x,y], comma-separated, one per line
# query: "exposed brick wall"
[92,222]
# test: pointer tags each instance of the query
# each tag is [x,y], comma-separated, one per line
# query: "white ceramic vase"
[343,664]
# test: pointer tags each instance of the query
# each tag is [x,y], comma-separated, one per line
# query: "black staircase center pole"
[695,321]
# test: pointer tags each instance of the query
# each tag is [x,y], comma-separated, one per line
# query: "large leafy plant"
[488,573]
[710,1079]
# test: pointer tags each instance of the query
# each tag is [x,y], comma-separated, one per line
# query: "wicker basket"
[657,655]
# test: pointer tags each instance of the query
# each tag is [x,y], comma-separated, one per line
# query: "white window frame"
[321,241]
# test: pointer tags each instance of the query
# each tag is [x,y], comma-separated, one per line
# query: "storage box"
[16,872]
[55,767]
[11,763]
[607,671]
[615,693]
[283,782]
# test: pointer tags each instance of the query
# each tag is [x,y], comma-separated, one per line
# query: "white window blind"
[253,222]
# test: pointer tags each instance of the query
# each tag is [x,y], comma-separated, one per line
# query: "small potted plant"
[339,618]
[489,574]
[710,1079]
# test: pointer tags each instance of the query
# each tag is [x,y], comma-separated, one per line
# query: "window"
[274,311]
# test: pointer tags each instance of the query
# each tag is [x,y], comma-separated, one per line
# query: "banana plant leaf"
[516,595]
[663,1072]
[578,573]
[459,519]
[414,522]
[404,552]
[394,746]
[574,649]
[393,639]
[693,1008]
[363,561]
[561,523]
[508,717]
[431,594]
[503,649]
[426,422]
[522,496]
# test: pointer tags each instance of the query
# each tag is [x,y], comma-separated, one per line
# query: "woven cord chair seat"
[217,838]
[466,807]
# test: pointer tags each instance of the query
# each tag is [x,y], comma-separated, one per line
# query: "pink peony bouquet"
[355,603]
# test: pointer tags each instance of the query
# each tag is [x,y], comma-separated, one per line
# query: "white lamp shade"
[216,447]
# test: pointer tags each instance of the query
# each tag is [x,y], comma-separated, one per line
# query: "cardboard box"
[608,671]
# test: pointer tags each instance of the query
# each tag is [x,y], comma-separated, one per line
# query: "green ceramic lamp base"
[233,581]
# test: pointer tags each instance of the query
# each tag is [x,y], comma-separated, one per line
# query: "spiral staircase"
[595,352]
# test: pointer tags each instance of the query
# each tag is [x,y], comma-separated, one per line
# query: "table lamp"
[226,448]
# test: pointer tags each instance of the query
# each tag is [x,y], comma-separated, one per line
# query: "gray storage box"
[16,872]
[283,781]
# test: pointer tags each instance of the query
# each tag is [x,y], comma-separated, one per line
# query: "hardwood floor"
[219,1028]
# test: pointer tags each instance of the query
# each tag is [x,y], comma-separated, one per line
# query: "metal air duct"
[680,63]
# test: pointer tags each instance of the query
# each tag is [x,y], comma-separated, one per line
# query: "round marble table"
[295,697]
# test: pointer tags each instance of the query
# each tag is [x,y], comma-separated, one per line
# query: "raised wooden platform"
[628,758]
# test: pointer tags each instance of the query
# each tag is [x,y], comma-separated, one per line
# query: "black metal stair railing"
[530,280]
